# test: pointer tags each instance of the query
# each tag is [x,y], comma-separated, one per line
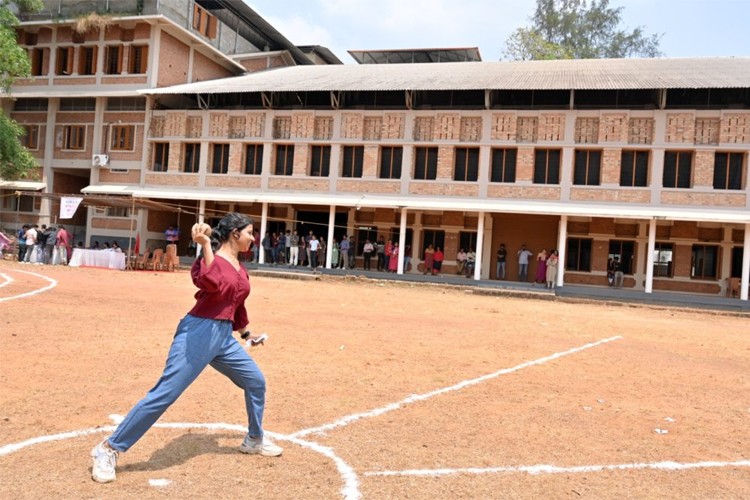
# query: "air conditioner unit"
[99,160]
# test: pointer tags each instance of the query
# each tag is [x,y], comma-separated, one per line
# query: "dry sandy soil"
[472,394]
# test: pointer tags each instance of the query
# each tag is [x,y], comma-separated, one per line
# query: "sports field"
[375,390]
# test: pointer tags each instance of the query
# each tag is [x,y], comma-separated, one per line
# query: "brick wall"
[703,168]
[610,195]
[680,128]
[503,127]
[613,127]
[552,127]
[173,61]
[356,186]
[703,199]
[611,158]
[735,128]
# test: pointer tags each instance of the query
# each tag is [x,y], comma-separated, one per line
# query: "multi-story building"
[84,117]
[643,159]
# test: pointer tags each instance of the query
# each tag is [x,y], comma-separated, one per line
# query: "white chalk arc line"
[350,490]
[554,469]
[52,284]
[7,280]
[461,385]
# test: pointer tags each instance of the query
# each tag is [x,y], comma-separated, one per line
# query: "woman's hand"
[201,234]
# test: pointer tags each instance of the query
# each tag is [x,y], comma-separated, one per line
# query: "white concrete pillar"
[480,247]
[263,226]
[650,255]
[329,238]
[401,241]
[562,247]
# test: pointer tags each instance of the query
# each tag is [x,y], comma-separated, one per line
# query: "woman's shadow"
[180,450]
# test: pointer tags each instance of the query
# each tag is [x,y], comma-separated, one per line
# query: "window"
[320,161]
[547,166]
[705,259]
[354,157]
[578,255]
[219,158]
[503,165]
[138,59]
[113,60]
[87,60]
[64,61]
[634,169]
[74,137]
[677,165]
[432,237]
[77,104]
[191,158]
[253,159]
[728,170]
[161,157]
[36,56]
[30,105]
[123,137]
[587,168]
[117,212]
[284,159]
[203,22]
[390,162]
[625,252]
[663,256]
[467,240]
[466,164]
[126,103]
[425,163]
[30,38]
[22,203]
[395,234]
[30,137]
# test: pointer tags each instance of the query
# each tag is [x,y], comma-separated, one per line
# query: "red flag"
[137,244]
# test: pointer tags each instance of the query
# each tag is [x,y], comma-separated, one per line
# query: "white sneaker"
[260,446]
[105,461]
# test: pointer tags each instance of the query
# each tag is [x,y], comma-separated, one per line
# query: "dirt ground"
[368,381]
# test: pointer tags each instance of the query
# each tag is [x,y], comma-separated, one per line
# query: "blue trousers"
[197,343]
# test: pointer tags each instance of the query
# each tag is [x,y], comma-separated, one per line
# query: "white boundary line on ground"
[350,490]
[7,280]
[554,469]
[461,385]
[52,285]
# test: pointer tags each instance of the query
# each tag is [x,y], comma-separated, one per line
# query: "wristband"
[245,334]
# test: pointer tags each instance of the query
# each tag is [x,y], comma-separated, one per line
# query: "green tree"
[15,160]
[579,29]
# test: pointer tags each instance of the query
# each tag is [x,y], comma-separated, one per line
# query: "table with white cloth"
[97,258]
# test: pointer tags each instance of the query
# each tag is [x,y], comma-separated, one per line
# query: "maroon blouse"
[222,291]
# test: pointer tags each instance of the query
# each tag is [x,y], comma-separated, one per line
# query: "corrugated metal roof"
[593,74]
[424,55]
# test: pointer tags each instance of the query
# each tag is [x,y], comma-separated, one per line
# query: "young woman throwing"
[203,337]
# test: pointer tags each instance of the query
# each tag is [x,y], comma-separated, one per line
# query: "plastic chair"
[171,260]
[733,287]
[142,261]
[156,261]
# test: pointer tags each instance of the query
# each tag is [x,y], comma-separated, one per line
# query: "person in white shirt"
[523,263]
[314,245]
[461,261]
[31,237]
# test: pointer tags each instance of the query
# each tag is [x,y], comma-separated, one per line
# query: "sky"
[689,28]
